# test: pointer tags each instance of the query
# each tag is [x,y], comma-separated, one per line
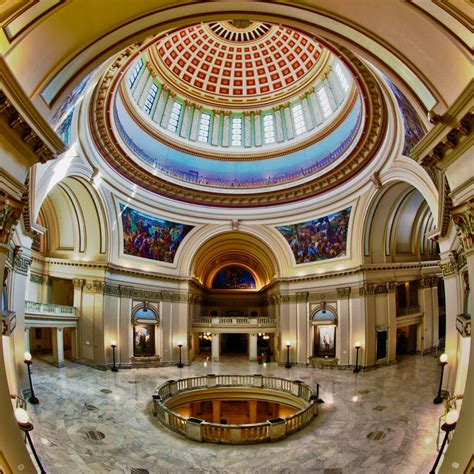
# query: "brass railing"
[200,430]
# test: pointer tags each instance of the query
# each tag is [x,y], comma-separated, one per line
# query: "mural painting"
[234,278]
[151,237]
[414,128]
[319,239]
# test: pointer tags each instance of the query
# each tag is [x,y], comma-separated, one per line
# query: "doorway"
[234,344]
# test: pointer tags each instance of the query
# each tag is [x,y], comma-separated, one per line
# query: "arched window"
[324,321]
[144,319]
[150,99]
[175,116]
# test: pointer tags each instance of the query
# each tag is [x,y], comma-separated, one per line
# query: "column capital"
[463,217]
[343,292]
[10,212]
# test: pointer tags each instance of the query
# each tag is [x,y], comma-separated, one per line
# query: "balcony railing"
[206,321]
[49,309]
[199,430]
[408,310]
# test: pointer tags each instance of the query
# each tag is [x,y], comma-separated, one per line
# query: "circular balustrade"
[292,401]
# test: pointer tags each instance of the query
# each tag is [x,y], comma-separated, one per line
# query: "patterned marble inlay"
[347,437]
[106,390]
[380,408]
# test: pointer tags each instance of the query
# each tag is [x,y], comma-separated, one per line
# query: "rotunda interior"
[279,189]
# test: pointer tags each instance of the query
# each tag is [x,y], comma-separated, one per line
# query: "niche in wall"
[144,321]
[324,322]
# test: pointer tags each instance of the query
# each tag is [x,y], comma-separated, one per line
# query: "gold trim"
[100,123]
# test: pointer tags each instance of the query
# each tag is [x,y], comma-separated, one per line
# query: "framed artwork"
[325,341]
[144,340]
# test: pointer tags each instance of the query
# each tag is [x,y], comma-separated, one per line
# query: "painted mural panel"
[318,239]
[234,278]
[151,237]
[414,128]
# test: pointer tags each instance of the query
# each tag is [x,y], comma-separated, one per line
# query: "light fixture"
[449,425]
[27,359]
[180,363]
[288,345]
[443,360]
[26,426]
[357,346]
[113,345]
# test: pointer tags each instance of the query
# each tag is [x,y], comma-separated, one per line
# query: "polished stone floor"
[382,421]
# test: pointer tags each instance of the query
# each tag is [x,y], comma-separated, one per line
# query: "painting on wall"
[319,239]
[234,278]
[151,237]
[325,341]
[143,341]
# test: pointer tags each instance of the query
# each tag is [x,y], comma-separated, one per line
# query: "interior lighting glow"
[21,416]
[443,358]
[452,417]
[26,356]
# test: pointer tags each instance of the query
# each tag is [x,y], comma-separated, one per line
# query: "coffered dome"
[255,107]
[251,63]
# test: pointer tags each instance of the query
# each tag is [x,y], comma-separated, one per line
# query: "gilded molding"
[464,221]
[10,213]
[22,260]
[343,292]
[449,267]
[25,133]
[366,148]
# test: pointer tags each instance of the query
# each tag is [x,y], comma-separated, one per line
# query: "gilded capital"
[464,221]
[10,212]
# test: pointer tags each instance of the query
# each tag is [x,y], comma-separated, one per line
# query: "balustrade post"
[258,380]
[193,429]
[277,429]
[211,380]
[173,387]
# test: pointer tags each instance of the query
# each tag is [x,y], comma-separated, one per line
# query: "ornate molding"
[100,122]
[10,213]
[450,267]
[464,220]
[343,292]
[21,260]
[25,133]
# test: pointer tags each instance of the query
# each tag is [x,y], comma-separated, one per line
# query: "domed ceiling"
[237,113]
[252,63]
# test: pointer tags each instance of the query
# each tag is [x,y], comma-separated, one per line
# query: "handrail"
[200,430]
[234,321]
[49,308]
[406,310]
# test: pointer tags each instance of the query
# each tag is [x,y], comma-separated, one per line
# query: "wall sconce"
[27,359]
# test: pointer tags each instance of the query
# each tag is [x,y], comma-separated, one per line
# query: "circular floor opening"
[234,409]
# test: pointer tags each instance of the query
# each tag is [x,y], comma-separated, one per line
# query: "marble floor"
[381,421]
